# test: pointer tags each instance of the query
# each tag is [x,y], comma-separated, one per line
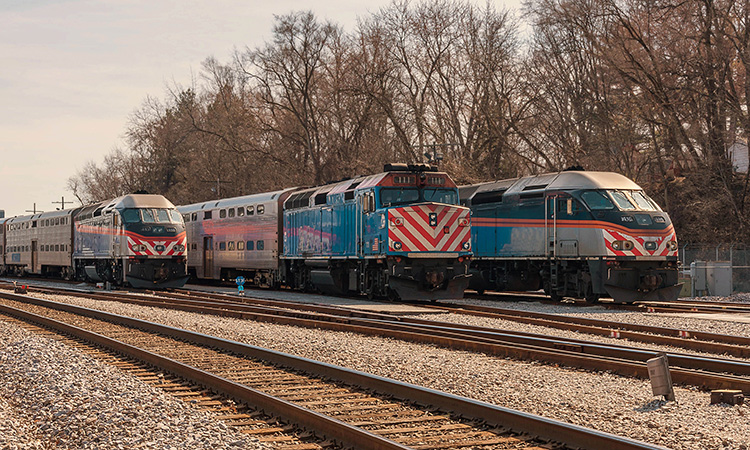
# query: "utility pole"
[61,203]
[34,211]
[218,185]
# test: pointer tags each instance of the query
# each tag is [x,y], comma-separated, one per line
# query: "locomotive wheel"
[589,296]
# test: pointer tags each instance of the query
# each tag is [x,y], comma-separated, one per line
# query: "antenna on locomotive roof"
[432,154]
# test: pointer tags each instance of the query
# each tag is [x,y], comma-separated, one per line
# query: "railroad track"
[675,306]
[709,373]
[355,409]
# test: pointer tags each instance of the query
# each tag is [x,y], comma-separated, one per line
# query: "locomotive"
[573,234]
[396,234]
[135,239]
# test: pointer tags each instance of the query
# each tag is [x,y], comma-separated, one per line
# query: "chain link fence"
[736,255]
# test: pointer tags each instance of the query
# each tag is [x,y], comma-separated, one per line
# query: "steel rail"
[572,353]
[503,313]
[349,436]
[544,428]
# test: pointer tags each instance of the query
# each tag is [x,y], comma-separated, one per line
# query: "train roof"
[235,201]
[551,181]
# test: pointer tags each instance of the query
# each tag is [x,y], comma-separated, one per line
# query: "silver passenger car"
[40,244]
[236,236]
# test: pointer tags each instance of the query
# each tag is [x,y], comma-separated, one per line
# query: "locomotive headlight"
[397,245]
[463,222]
[398,221]
[622,245]
[179,248]
[466,245]
[139,248]
[672,245]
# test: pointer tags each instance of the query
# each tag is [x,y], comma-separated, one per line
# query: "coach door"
[34,257]
[208,256]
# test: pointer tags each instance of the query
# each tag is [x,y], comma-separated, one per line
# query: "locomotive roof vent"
[401,167]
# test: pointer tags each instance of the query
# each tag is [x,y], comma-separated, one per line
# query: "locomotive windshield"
[143,215]
[404,196]
[619,199]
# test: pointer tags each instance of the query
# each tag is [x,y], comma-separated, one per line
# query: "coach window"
[222,246]
[230,247]
[206,215]
[194,217]
[222,213]
[57,221]
[57,247]
[261,209]
[260,245]
[240,211]
[195,246]
[250,245]
[250,211]
[240,244]
[231,212]
[33,224]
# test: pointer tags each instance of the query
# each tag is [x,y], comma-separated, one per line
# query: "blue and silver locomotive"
[574,234]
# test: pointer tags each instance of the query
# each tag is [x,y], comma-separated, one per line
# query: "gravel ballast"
[52,396]
[606,402]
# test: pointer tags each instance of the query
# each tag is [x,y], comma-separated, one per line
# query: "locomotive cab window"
[447,196]
[622,201]
[398,196]
[597,200]
[130,215]
[643,201]
[175,216]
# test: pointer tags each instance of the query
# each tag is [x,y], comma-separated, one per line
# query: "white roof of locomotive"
[554,181]
[139,201]
[592,180]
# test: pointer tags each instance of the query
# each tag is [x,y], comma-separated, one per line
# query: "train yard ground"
[596,398]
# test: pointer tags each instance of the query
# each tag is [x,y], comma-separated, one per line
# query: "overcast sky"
[72,72]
